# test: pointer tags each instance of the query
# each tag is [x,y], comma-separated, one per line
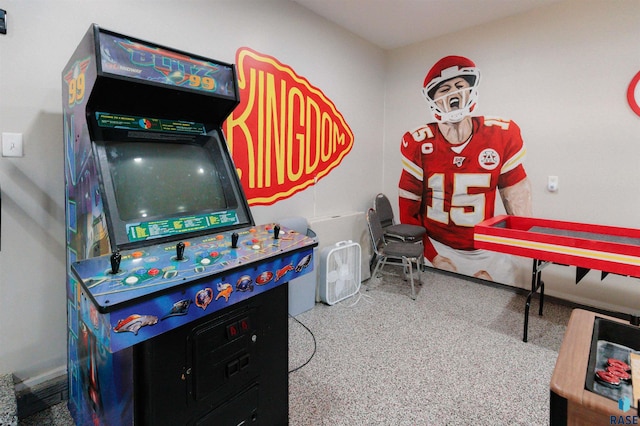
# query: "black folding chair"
[393,230]
[406,252]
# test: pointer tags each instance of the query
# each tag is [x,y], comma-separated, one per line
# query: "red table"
[608,249]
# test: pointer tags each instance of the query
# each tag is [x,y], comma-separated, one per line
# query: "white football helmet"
[446,69]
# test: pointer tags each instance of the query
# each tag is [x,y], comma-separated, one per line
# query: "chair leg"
[405,269]
[373,274]
[409,263]
[381,260]
[384,263]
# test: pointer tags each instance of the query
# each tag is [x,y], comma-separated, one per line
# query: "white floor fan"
[339,272]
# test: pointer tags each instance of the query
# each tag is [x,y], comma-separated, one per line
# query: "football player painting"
[452,169]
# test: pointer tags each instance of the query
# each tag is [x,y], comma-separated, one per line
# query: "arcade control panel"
[136,294]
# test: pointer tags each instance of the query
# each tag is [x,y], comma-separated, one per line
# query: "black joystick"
[180,251]
[276,232]
[234,240]
[116,257]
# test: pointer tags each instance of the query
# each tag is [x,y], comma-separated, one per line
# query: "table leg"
[541,285]
[536,283]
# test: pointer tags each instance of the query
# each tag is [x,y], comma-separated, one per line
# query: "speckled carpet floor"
[453,356]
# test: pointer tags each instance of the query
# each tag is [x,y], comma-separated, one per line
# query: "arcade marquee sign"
[285,134]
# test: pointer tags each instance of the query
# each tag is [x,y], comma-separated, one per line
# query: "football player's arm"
[410,208]
[409,204]
[514,185]
[410,184]
[410,213]
[410,193]
[517,198]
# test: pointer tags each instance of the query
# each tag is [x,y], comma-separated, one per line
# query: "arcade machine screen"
[187,180]
[160,188]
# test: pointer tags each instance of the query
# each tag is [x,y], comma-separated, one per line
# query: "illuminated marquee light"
[179,69]
[285,134]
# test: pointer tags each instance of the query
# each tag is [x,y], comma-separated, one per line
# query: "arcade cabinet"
[176,301]
[595,378]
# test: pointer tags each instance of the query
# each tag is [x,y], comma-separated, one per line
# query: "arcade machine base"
[226,369]
[577,397]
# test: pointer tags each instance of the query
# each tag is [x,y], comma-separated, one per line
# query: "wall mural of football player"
[452,169]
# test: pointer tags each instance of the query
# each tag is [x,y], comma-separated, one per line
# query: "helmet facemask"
[455,105]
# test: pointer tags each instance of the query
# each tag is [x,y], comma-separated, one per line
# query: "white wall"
[41,37]
[561,72]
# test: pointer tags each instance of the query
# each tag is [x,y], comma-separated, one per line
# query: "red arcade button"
[245,325]
[232,330]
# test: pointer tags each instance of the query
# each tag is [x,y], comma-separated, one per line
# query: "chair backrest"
[375,230]
[382,205]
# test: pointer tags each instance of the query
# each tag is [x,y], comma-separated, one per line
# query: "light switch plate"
[12,145]
[3,22]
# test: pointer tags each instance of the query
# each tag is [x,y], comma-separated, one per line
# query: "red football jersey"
[450,188]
